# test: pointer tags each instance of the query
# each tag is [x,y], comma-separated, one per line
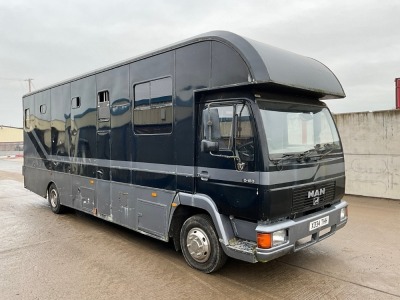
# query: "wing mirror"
[208,146]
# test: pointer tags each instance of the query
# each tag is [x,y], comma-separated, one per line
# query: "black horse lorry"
[219,143]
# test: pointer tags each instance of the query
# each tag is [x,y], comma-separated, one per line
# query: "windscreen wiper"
[318,152]
[306,155]
[325,149]
[285,156]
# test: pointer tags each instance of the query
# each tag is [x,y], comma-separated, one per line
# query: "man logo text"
[316,193]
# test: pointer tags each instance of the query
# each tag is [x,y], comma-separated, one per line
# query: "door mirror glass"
[208,146]
[211,124]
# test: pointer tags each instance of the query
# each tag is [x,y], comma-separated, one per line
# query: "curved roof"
[269,64]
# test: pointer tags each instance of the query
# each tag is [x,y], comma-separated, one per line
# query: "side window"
[75,102]
[229,128]
[103,104]
[103,97]
[27,118]
[228,123]
[152,112]
[43,109]
[218,125]
[142,95]
[244,133]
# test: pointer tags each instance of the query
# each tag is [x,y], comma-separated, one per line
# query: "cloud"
[51,40]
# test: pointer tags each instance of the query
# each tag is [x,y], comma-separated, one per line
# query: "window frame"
[75,104]
[27,119]
[150,107]
[100,96]
[230,102]
[43,109]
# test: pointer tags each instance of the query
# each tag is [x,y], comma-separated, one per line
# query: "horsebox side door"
[103,173]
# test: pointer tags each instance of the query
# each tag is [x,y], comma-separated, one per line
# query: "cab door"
[226,157]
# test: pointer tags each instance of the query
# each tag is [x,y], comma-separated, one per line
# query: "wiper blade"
[284,157]
[325,149]
[306,155]
[318,152]
[322,155]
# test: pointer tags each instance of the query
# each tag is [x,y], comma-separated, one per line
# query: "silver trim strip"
[230,175]
[308,183]
[314,173]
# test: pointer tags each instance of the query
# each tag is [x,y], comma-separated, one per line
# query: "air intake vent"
[312,196]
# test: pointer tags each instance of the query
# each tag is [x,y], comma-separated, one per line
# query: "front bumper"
[299,235]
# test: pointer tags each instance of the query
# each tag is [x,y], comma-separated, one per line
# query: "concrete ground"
[76,256]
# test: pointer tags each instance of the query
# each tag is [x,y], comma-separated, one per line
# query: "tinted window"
[76,102]
[142,94]
[43,109]
[161,91]
[153,107]
[103,97]
[103,102]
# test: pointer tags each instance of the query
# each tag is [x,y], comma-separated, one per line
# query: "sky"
[51,40]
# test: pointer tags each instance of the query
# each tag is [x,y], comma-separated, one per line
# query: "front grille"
[305,198]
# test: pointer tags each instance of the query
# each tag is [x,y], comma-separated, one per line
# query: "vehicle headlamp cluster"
[271,239]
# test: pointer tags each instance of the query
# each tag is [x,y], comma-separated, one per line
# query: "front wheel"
[200,245]
[54,200]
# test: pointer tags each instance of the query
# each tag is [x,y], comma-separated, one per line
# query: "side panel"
[38,140]
[193,70]
[227,66]
[150,152]
[42,130]
[121,142]
[29,114]
[83,193]
[124,205]
[103,183]
[146,147]
[83,149]
[60,138]
[31,154]
[153,207]
[113,142]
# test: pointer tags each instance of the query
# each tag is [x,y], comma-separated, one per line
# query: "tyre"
[54,200]
[200,245]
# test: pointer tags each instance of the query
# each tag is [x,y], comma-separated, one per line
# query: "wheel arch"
[189,205]
[48,187]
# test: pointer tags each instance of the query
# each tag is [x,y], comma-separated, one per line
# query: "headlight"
[343,214]
[279,237]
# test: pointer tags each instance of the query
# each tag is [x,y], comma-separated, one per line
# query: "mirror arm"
[224,156]
[240,165]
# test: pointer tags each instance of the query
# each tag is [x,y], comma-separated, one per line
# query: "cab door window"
[229,127]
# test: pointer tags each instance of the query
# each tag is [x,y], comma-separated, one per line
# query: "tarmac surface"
[77,256]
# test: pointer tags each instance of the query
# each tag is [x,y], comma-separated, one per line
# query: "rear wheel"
[54,200]
[200,245]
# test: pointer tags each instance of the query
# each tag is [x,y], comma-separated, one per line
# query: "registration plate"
[319,223]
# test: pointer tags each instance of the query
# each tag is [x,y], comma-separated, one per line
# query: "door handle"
[203,175]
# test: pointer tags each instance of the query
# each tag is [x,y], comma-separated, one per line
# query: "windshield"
[298,128]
